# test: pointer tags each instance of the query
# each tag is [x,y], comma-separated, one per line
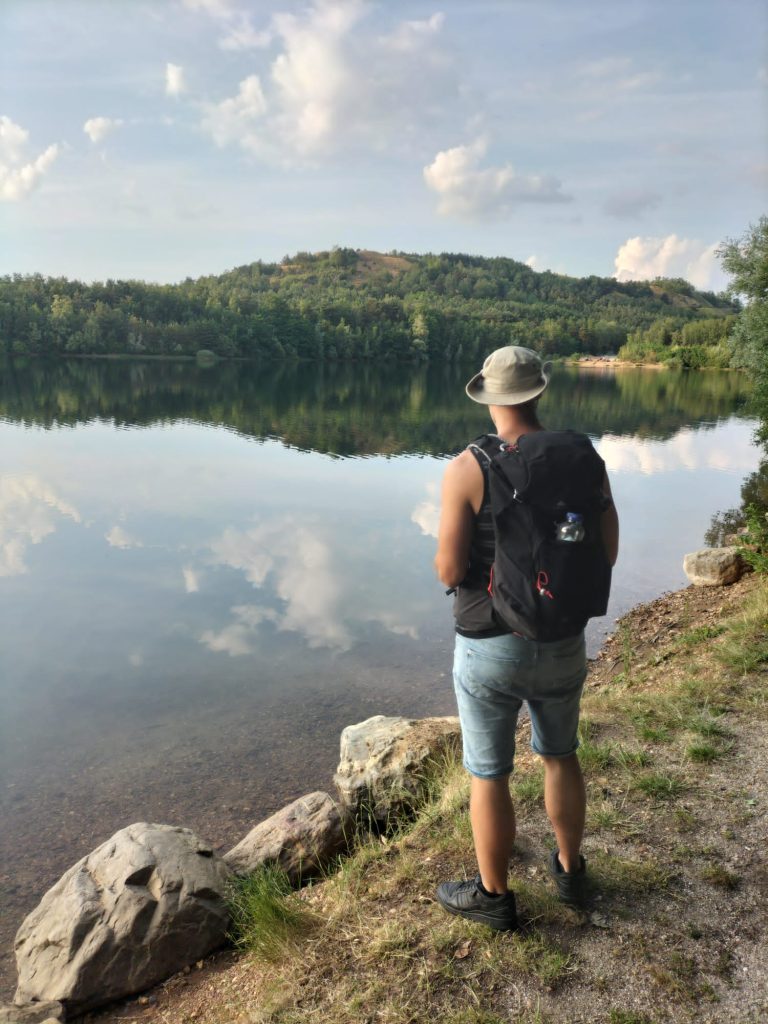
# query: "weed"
[696,636]
[703,753]
[529,789]
[718,876]
[615,874]
[630,759]
[686,820]
[267,916]
[629,1017]
[532,954]
[659,786]
[596,755]
[708,726]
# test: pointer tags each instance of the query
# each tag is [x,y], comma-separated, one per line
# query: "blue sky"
[170,138]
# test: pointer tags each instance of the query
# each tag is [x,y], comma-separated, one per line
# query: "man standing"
[499,663]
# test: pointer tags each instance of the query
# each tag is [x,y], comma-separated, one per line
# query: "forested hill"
[350,303]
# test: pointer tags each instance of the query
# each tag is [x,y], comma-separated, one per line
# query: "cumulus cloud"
[98,128]
[332,84]
[426,515]
[533,262]
[117,537]
[410,35]
[314,596]
[631,203]
[191,579]
[643,258]
[471,192]
[236,120]
[17,177]
[216,8]
[175,83]
[28,514]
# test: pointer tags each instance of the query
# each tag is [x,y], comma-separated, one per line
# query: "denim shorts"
[493,676]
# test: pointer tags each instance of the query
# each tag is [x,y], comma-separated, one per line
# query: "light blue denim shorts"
[493,676]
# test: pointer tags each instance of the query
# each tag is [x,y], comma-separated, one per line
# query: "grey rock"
[385,763]
[714,567]
[134,911]
[32,1013]
[301,838]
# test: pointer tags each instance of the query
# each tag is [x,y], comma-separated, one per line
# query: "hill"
[350,304]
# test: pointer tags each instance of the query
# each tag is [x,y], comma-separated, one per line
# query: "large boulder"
[137,909]
[32,1013]
[301,839]
[714,567]
[385,763]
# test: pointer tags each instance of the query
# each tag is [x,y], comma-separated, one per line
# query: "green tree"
[746,260]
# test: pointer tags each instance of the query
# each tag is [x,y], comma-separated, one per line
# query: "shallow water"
[206,574]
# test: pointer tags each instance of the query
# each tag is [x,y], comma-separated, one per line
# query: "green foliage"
[348,304]
[266,914]
[754,546]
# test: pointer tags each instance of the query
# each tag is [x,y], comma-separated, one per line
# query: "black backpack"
[542,587]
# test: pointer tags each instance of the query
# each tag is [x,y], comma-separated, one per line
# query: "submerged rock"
[137,909]
[714,567]
[302,838]
[385,763]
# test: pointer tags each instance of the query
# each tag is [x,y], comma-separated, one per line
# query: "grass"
[659,785]
[369,945]
[267,916]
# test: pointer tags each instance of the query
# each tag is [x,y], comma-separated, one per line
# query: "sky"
[173,138]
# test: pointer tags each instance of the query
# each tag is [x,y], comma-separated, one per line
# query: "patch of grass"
[528,789]
[537,902]
[630,877]
[721,878]
[595,756]
[686,820]
[534,955]
[745,648]
[267,915]
[629,1017]
[474,1017]
[709,726]
[659,786]
[631,759]
[703,753]
[696,636]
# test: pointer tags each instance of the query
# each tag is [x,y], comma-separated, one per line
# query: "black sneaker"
[571,885]
[467,899]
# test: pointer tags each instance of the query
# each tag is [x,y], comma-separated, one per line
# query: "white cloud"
[426,515]
[18,179]
[27,505]
[236,120]
[410,35]
[643,258]
[533,262]
[191,579]
[175,83]
[98,128]
[618,73]
[332,85]
[117,537]
[471,192]
[216,8]
[689,449]
[238,638]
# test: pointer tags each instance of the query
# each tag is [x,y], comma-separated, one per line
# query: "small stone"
[599,920]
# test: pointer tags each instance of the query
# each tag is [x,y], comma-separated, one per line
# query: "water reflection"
[199,591]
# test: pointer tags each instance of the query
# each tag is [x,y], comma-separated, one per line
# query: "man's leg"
[493,828]
[566,801]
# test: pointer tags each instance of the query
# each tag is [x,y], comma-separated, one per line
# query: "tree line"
[352,304]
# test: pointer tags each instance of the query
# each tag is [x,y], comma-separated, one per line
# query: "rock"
[32,1013]
[129,914]
[301,839]
[385,763]
[714,567]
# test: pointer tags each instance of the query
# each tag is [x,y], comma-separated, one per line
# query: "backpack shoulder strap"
[484,448]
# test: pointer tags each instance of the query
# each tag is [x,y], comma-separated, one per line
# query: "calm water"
[205,574]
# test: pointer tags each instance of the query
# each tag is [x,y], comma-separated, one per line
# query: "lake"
[206,573]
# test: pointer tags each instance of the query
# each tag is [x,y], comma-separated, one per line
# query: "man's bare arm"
[460,481]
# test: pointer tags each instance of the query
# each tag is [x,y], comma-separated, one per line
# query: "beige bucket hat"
[510,376]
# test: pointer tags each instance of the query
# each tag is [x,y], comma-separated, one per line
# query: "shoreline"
[698,602]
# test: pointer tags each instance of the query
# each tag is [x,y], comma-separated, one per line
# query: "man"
[496,669]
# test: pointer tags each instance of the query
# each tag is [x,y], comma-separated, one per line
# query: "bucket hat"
[510,376]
